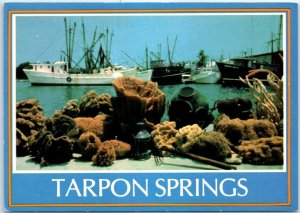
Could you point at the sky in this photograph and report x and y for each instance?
(42, 38)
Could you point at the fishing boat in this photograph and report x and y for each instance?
(167, 73)
(233, 69)
(206, 75)
(97, 71)
(58, 74)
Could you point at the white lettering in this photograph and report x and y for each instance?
(243, 187)
(222, 187)
(88, 187)
(160, 187)
(213, 190)
(101, 186)
(185, 184)
(127, 187)
(58, 186)
(136, 184)
(73, 186)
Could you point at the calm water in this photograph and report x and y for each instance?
(52, 98)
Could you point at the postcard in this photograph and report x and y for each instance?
(151, 106)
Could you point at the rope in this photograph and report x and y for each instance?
(50, 43)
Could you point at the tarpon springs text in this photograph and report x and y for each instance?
(161, 187)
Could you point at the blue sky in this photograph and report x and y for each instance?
(42, 38)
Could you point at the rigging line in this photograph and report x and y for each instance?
(50, 43)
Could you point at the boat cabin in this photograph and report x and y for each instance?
(57, 67)
(157, 63)
(245, 62)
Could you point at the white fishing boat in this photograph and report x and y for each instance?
(59, 74)
(97, 70)
(206, 75)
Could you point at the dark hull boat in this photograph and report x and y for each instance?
(240, 67)
(168, 74)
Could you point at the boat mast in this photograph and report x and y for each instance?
(72, 45)
(84, 44)
(106, 43)
(159, 51)
(147, 65)
(173, 50)
(67, 43)
(169, 54)
(70, 37)
(90, 49)
(279, 33)
(110, 43)
(90, 56)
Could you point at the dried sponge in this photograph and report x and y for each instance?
(189, 133)
(88, 145)
(262, 151)
(109, 151)
(93, 104)
(122, 149)
(236, 130)
(192, 139)
(164, 134)
(29, 121)
(100, 125)
(105, 156)
(49, 150)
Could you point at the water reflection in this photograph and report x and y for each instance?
(52, 98)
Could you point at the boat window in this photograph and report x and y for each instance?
(35, 68)
(249, 63)
(41, 66)
(49, 67)
(52, 69)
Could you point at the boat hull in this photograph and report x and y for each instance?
(102, 78)
(45, 78)
(145, 75)
(206, 78)
(168, 79)
(231, 73)
(169, 74)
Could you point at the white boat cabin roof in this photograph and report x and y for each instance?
(57, 63)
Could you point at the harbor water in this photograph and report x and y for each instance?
(52, 98)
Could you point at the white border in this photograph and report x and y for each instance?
(284, 43)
